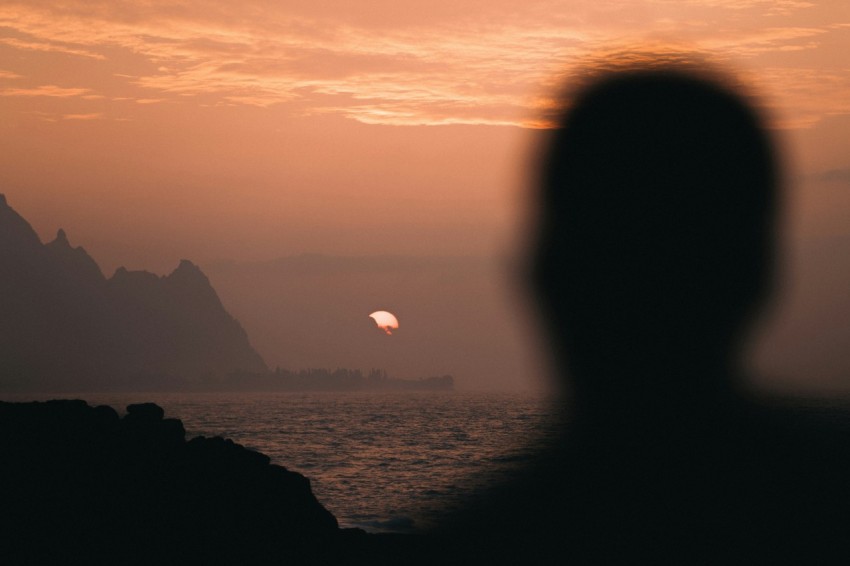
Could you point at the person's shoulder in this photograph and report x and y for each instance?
(815, 421)
(804, 447)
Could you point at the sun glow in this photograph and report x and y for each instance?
(386, 321)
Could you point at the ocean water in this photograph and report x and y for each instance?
(383, 461)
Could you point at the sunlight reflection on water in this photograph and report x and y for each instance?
(379, 461)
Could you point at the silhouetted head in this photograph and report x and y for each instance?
(656, 231)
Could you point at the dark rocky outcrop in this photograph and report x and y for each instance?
(64, 326)
(78, 484)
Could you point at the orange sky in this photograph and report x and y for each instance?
(153, 131)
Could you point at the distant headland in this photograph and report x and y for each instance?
(326, 380)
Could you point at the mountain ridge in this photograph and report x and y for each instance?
(64, 325)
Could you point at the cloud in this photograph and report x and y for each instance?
(45, 90)
(92, 116)
(8, 75)
(486, 67)
(48, 46)
(768, 7)
(803, 97)
(764, 40)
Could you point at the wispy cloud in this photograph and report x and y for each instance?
(45, 90)
(91, 116)
(768, 7)
(491, 71)
(804, 97)
(763, 40)
(48, 46)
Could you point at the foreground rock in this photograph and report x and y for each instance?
(78, 484)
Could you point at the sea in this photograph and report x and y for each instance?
(380, 461)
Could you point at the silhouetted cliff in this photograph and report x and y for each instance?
(63, 325)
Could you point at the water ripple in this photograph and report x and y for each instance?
(379, 461)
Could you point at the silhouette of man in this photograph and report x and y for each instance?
(655, 250)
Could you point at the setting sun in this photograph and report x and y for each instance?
(386, 321)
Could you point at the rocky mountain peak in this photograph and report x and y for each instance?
(16, 234)
(187, 273)
(187, 266)
(62, 238)
(75, 262)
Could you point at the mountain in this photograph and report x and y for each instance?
(63, 325)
